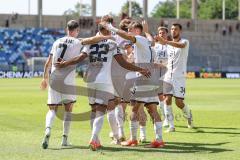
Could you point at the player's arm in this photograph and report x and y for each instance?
(73, 61)
(47, 66)
(127, 36)
(177, 44)
(123, 63)
(120, 32)
(94, 39)
(171, 43)
(146, 31)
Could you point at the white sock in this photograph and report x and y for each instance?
(66, 122)
(161, 105)
(143, 134)
(113, 123)
(92, 117)
(133, 129)
(49, 121)
(186, 111)
(120, 120)
(158, 130)
(97, 125)
(169, 115)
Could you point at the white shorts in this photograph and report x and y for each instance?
(145, 94)
(146, 100)
(67, 93)
(56, 98)
(175, 87)
(100, 93)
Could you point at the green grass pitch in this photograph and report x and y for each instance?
(216, 109)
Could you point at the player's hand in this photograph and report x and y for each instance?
(44, 84)
(146, 73)
(60, 63)
(161, 40)
(109, 27)
(145, 26)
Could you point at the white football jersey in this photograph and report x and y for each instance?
(102, 53)
(177, 60)
(142, 50)
(121, 43)
(65, 48)
(161, 55)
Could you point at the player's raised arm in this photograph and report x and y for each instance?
(47, 66)
(123, 63)
(146, 31)
(120, 32)
(94, 39)
(61, 63)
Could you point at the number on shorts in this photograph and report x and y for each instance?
(182, 90)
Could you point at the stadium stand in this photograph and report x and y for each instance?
(17, 45)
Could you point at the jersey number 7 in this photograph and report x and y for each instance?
(64, 48)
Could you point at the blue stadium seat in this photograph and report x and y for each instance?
(16, 45)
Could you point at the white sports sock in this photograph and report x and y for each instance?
(97, 125)
(92, 117)
(161, 105)
(158, 130)
(133, 129)
(120, 120)
(186, 111)
(113, 123)
(66, 122)
(49, 121)
(143, 134)
(169, 115)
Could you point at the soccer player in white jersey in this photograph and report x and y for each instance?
(126, 47)
(63, 48)
(162, 59)
(176, 75)
(142, 54)
(99, 54)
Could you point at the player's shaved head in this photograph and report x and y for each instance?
(107, 18)
(72, 25)
(124, 24)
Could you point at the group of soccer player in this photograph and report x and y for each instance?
(131, 47)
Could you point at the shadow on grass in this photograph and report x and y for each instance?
(205, 130)
(210, 127)
(171, 147)
(70, 147)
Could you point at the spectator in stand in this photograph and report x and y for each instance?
(216, 27)
(188, 24)
(7, 23)
(224, 31)
(230, 30)
(237, 26)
